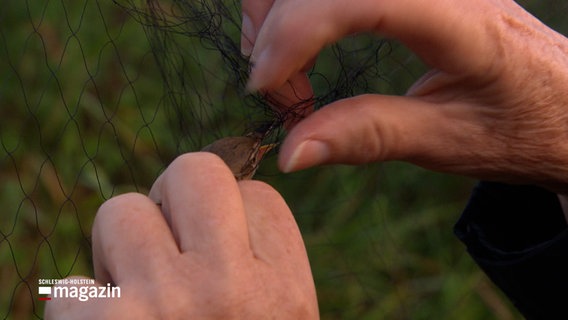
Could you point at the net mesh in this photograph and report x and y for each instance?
(98, 97)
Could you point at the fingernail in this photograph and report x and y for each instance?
(254, 82)
(247, 36)
(307, 154)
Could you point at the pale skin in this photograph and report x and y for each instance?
(215, 249)
(493, 107)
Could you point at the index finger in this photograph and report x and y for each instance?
(454, 36)
(293, 99)
(254, 13)
(202, 204)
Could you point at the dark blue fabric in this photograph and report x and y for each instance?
(519, 237)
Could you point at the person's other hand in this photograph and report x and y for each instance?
(494, 106)
(293, 97)
(214, 249)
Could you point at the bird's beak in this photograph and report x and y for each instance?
(262, 150)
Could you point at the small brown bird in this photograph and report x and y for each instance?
(241, 154)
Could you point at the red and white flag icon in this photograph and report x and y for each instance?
(44, 290)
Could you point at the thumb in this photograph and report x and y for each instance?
(370, 128)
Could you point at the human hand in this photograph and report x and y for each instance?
(214, 249)
(494, 106)
(293, 97)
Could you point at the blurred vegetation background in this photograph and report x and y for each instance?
(83, 117)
